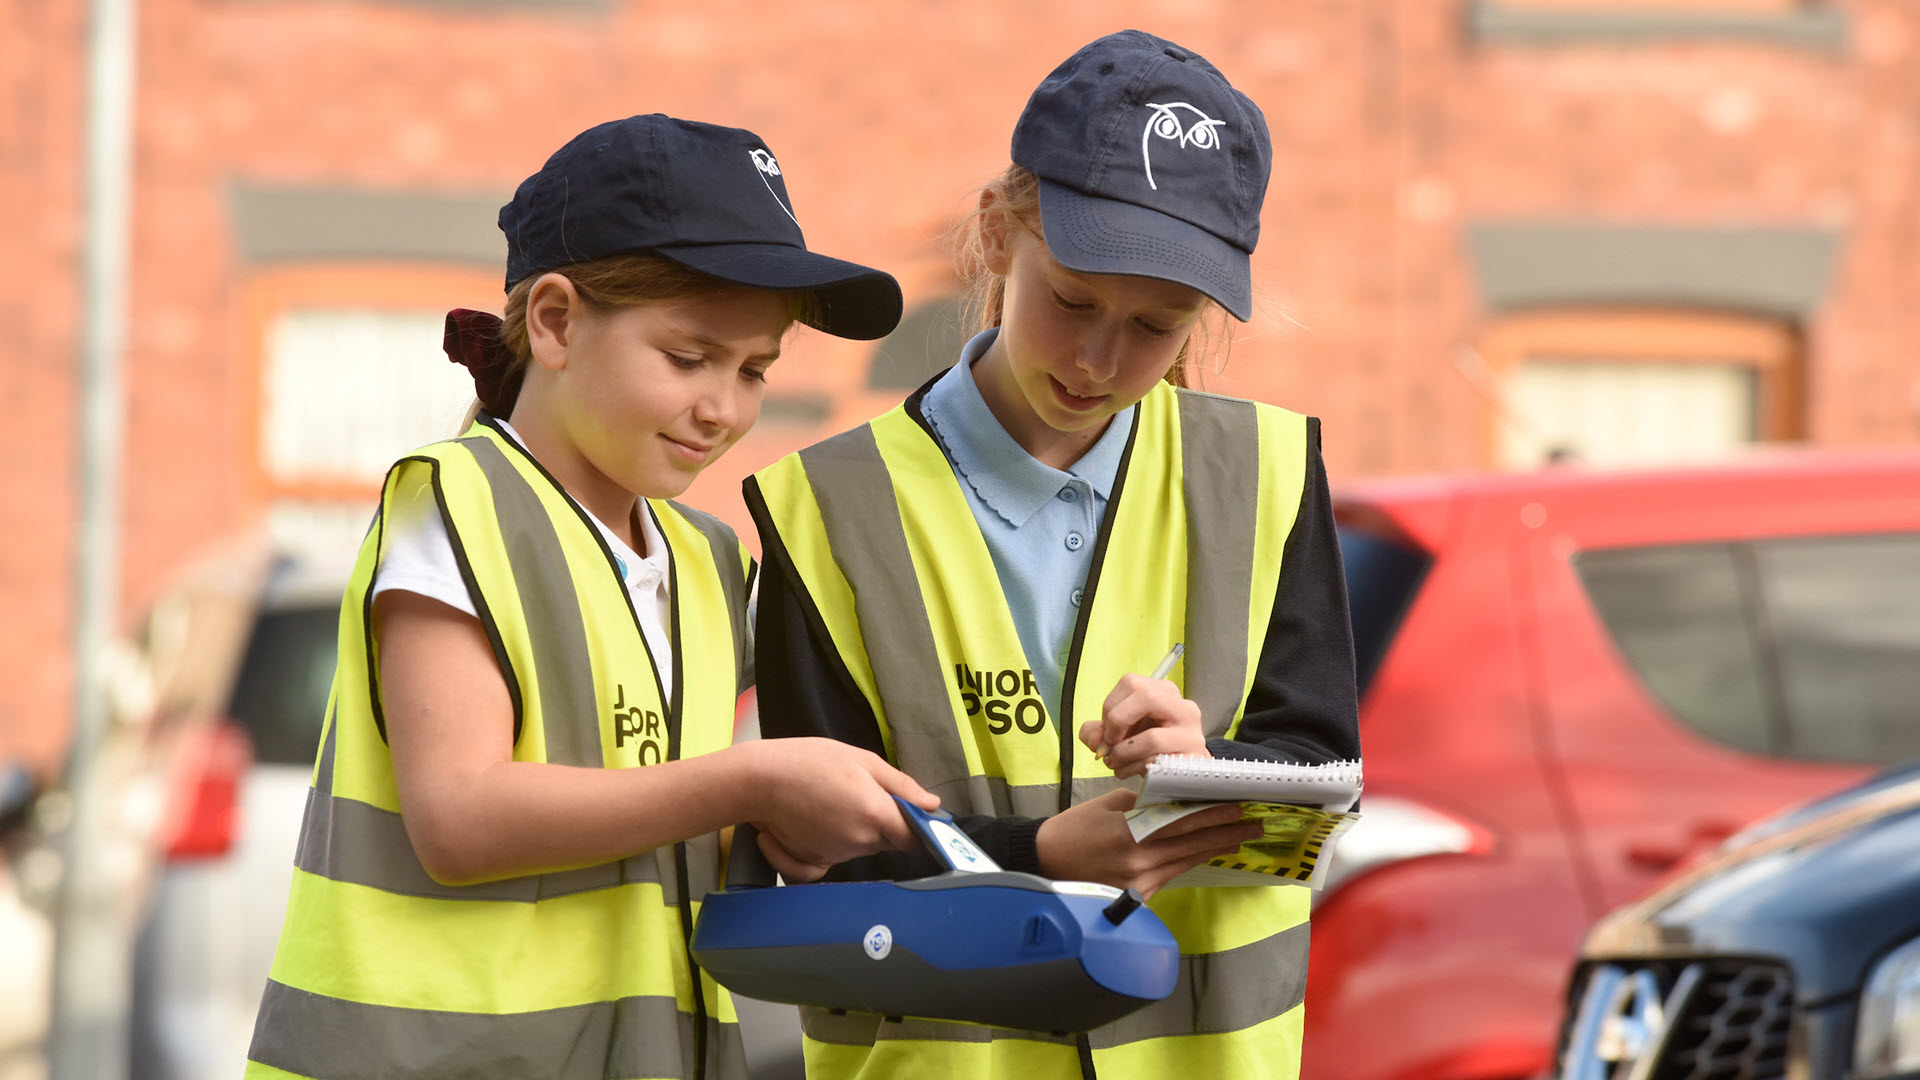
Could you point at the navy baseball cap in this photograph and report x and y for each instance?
(709, 198)
(1150, 163)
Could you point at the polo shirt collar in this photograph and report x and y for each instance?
(1012, 482)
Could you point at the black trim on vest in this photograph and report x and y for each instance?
(366, 631)
(613, 565)
(674, 708)
(725, 545)
(1065, 720)
(912, 405)
(676, 701)
(481, 610)
(1072, 673)
(1084, 1046)
(673, 703)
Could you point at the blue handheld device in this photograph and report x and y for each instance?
(976, 943)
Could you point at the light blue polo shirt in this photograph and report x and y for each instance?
(1040, 523)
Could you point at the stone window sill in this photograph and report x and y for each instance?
(1818, 27)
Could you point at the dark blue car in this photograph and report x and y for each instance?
(1793, 951)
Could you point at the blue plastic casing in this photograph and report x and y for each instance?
(984, 946)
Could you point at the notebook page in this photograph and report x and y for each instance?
(1334, 785)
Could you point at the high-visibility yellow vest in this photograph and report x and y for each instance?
(1190, 551)
(383, 972)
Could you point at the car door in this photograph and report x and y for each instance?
(1702, 659)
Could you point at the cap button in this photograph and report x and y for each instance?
(1177, 54)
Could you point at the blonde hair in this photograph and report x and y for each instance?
(983, 292)
(616, 281)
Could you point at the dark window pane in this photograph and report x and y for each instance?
(1382, 577)
(1845, 614)
(1679, 616)
(280, 696)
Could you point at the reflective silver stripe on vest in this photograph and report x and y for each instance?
(1216, 993)
(1220, 475)
(1221, 992)
(556, 631)
(733, 582)
(312, 1035)
(855, 493)
(348, 840)
(1220, 449)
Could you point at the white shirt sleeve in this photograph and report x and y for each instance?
(417, 556)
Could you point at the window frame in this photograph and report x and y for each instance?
(1772, 349)
(375, 285)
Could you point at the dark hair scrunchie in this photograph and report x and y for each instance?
(473, 339)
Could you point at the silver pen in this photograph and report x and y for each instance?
(1166, 665)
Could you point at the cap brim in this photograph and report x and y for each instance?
(1107, 236)
(854, 301)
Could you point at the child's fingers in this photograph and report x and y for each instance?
(785, 864)
(1128, 685)
(1130, 758)
(1154, 880)
(1147, 704)
(1118, 720)
(898, 783)
(1212, 825)
(1093, 734)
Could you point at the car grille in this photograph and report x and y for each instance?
(1700, 1019)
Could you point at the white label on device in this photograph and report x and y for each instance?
(879, 941)
(962, 852)
(1086, 888)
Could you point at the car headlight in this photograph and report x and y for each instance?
(1888, 1042)
(1392, 830)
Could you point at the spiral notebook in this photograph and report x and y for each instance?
(1174, 778)
(1302, 810)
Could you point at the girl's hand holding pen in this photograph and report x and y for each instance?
(1142, 718)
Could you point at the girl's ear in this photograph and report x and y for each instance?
(994, 230)
(554, 308)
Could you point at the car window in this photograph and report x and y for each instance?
(1800, 647)
(1845, 613)
(280, 695)
(1678, 615)
(1383, 574)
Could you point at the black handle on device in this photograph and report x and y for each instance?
(747, 865)
(748, 868)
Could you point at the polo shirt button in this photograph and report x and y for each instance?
(1077, 593)
(1074, 541)
(1067, 494)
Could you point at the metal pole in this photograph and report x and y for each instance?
(92, 974)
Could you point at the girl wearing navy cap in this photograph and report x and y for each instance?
(525, 764)
(974, 583)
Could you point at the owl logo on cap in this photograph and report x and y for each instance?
(763, 161)
(1166, 123)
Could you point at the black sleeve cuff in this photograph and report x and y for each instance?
(1009, 841)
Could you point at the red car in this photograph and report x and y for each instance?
(1572, 681)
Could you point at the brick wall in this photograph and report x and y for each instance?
(40, 178)
(1396, 126)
